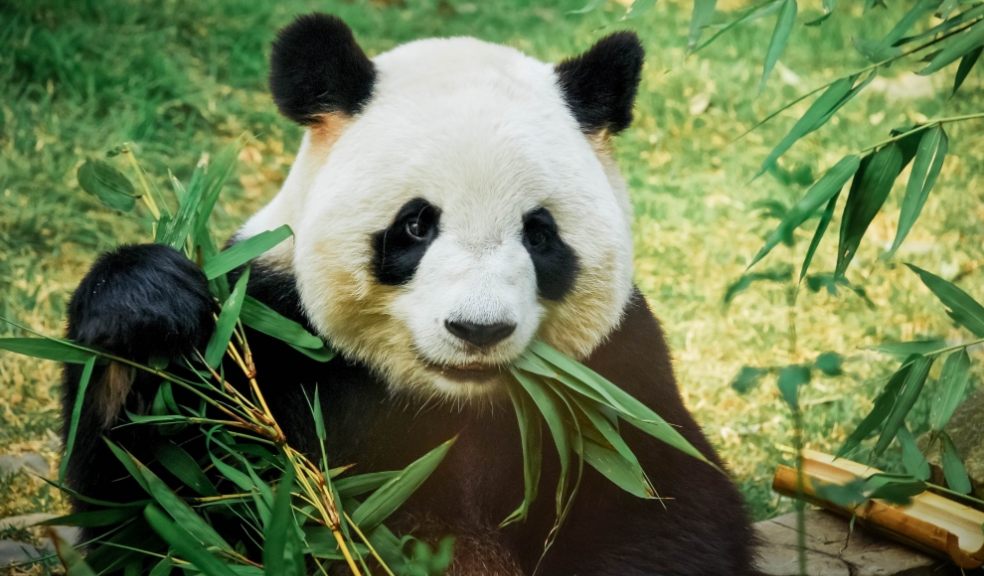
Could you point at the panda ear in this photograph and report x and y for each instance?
(316, 68)
(600, 84)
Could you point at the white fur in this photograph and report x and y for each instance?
(482, 132)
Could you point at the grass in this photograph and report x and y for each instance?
(179, 78)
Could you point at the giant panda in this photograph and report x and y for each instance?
(451, 201)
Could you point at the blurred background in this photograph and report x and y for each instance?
(178, 79)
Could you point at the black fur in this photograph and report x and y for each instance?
(317, 67)
(600, 85)
(396, 252)
(555, 262)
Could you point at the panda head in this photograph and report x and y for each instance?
(452, 200)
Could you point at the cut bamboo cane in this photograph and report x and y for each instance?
(931, 522)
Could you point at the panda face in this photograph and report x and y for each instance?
(460, 213)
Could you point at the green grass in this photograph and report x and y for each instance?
(178, 78)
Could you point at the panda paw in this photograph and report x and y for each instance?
(140, 301)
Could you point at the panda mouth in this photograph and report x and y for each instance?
(471, 372)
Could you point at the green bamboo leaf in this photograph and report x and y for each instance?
(108, 184)
(881, 409)
(390, 496)
(823, 190)
(961, 307)
(822, 225)
(929, 161)
(591, 6)
(226, 323)
(553, 413)
(912, 458)
(747, 378)
(951, 389)
(825, 106)
(960, 46)
(953, 468)
(888, 47)
(830, 363)
(790, 380)
(359, 484)
(48, 349)
(903, 350)
(758, 11)
(262, 318)
(700, 17)
(245, 250)
(780, 36)
(893, 488)
(966, 65)
(589, 383)
(177, 461)
(872, 183)
(94, 518)
(184, 543)
(73, 423)
(780, 275)
(282, 548)
(828, 9)
(531, 439)
(214, 177)
(639, 7)
(907, 396)
(606, 452)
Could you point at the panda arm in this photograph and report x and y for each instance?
(137, 302)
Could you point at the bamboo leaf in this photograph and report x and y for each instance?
(928, 163)
(822, 225)
(953, 468)
(753, 13)
(262, 318)
(830, 363)
(47, 348)
(587, 382)
(178, 462)
(94, 518)
(359, 484)
(531, 439)
(790, 380)
(903, 350)
(747, 378)
(108, 184)
(282, 548)
(606, 451)
(961, 307)
(226, 323)
(825, 106)
(390, 496)
(951, 389)
(823, 190)
(961, 45)
(245, 250)
(907, 396)
(966, 65)
(828, 9)
(76, 417)
(553, 414)
(872, 183)
(881, 409)
(70, 558)
(184, 543)
(780, 36)
(700, 17)
(912, 458)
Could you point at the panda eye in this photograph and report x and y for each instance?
(538, 229)
(536, 238)
(420, 225)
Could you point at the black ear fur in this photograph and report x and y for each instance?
(317, 67)
(600, 85)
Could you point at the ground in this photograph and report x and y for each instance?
(178, 79)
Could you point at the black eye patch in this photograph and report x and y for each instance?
(398, 249)
(555, 262)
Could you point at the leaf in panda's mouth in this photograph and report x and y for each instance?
(581, 409)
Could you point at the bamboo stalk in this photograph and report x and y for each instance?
(931, 522)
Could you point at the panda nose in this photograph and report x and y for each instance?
(481, 335)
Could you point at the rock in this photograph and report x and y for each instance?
(832, 550)
(69, 534)
(966, 429)
(13, 552)
(23, 521)
(30, 462)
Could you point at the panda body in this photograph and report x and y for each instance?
(451, 200)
